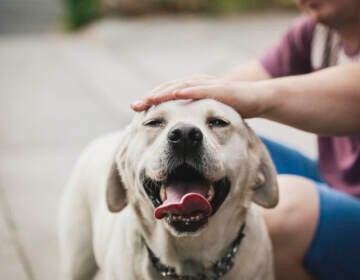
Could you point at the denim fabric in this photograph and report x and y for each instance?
(334, 253)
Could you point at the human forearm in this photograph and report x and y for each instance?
(251, 71)
(326, 102)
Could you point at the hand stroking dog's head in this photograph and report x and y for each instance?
(186, 163)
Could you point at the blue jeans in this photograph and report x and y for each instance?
(334, 253)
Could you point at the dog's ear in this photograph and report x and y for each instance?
(115, 190)
(116, 198)
(265, 186)
(266, 191)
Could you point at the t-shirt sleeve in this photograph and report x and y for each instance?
(292, 55)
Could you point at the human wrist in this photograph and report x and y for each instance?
(267, 97)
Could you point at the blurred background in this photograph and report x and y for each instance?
(68, 71)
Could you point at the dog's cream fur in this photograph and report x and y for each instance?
(107, 177)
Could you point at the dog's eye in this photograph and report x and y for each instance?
(216, 122)
(155, 122)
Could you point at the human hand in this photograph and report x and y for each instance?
(245, 97)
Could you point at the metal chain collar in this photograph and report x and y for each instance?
(217, 270)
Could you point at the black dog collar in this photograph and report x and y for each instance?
(217, 270)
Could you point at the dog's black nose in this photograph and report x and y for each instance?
(185, 137)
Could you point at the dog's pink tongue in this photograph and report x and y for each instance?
(185, 198)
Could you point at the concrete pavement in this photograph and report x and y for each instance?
(28, 16)
(58, 92)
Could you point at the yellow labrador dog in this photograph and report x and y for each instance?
(171, 197)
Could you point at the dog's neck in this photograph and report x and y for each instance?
(189, 253)
(217, 269)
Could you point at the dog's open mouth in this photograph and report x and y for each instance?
(186, 199)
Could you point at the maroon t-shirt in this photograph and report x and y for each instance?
(339, 157)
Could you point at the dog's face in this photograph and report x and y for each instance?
(184, 162)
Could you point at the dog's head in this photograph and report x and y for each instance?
(184, 162)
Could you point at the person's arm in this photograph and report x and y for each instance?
(326, 102)
(251, 71)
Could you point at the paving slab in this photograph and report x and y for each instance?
(12, 266)
(50, 110)
(34, 180)
(172, 47)
(29, 16)
(45, 100)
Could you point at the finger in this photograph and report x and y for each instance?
(140, 105)
(154, 100)
(146, 101)
(195, 92)
(162, 86)
(198, 92)
(167, 93)
(179, 83)
(168, 84)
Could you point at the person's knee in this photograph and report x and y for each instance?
(294, 219)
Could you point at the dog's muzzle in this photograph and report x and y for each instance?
(186, 198)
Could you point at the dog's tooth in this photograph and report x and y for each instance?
(192, 218)
(211, 193)
(160, 176)
(162, 193)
